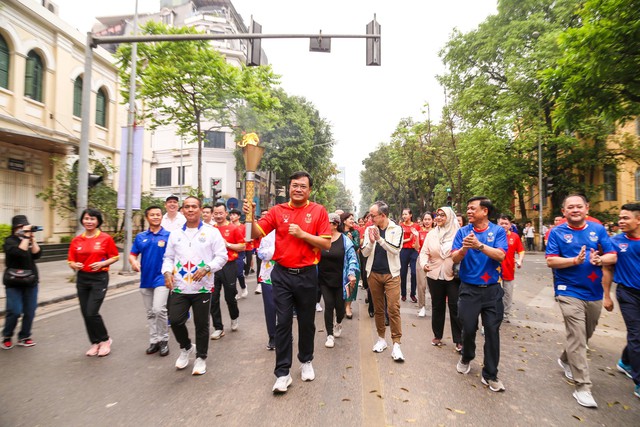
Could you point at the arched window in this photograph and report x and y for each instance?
(610, 183)
(33, 78)
(4, 63)
(77, 97)
(637, 184)
(102, 101)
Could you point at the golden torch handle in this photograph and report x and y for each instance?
(250, 194)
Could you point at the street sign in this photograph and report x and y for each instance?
(233, 203)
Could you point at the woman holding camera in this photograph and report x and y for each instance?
(21, 281)
(90, 254)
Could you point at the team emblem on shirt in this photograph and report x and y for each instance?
(491, 237)
(97, 246)
(568, 238)
(226, 233)
(202, 238)
(593, 237)
(624, 247)
(161, 243)
(308, 218)
(285, 218)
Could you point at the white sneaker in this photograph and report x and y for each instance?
(307, 372)
(463, 368)
(244, 293)
(396, 353)
(258, 289)
(422, 312)
(380, 345)
(318, 307)
(566, 368)
(183, 359)
(337, 330)
(234, 324)
(282, 383)
(585, 398)
(200, 367)
(217, 334)
(330, 342)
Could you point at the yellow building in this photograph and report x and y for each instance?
(41, 69)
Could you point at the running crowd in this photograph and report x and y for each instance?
(190, 254)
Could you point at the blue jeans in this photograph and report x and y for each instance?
(408, 258)
(629, 302)
(20, 301)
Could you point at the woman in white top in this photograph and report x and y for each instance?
(435, 257)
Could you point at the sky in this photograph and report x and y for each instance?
(363, 104)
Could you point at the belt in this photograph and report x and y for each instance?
(296, 271)
(486, 286)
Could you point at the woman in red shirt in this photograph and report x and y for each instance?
(408, 255)
(421, 276)
(90, 254)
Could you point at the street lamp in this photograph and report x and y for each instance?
(252, 154)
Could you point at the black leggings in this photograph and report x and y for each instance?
(333, 300)
(92, 288)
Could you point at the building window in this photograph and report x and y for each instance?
(163, 177)
(77, 97)
(4, 63)
(33, 77)
(214, 139)
(101, 107)
(181, 173)
(637, 184)
(610, 183)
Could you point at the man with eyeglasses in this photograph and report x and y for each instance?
(381, 246)
(302, 232)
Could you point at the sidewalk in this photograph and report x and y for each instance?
(57, 282)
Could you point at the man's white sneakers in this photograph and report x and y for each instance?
(380, 345)
(282, 383)
(330, 342)
(585, 398)
(396, 353)
(234, 324)
(217, 334)
(307, 373)
(183, 359)
(422, 312)
(200, 367)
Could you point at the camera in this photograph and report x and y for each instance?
(35, 228)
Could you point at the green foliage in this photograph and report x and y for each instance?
(61, 193)
(597, 73)
(5, 231)
(66, 239)
(191, 86)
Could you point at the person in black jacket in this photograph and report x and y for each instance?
(21, 250)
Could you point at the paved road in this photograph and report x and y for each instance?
(54, 384)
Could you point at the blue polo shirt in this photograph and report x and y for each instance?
(151, 246)
(628, 265)
(477, 268)
(583, 281)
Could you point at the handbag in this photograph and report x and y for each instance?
(19, 277)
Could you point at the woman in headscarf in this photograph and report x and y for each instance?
(435, 256)
(351, 231)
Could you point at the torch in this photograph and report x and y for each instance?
(252, 154)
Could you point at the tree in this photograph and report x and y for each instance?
(597, 73)
(191, 86)
(297, 138)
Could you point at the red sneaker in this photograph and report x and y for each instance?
(26, 342)
(7, 344)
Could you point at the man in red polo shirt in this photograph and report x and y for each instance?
(226, 278)
(302, 232)
(508, 267)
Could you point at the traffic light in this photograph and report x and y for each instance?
(216, 188)
(254, 54)
(94, 179)
(373, 44)
(549, 186)
(449, 198)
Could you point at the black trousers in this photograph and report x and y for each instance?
(294, 291)
(333, 300)
(443, 293)
(178, 306)
(92, 288)
(225, 278)
(248, 257)
(487, 302)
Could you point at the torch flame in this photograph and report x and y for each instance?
(249, 139)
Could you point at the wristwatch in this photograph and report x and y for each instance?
(207, 268)
(481, 247)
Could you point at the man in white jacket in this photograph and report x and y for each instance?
(382, 243)
(194, 253)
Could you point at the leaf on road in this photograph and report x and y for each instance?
(577, 418)
(321, 404)
(610, 404)
(373, 391)
(402, 388)
(380, 396)
(405, 401)
(457, 411)
(346, 399)
(410, 420)
(521, 370)
(349, 367)
(110, 405)
(626, 407)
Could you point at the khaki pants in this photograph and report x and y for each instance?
(382, 285)
(580, 320)
(421, 277)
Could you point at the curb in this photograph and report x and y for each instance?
(75, 295)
